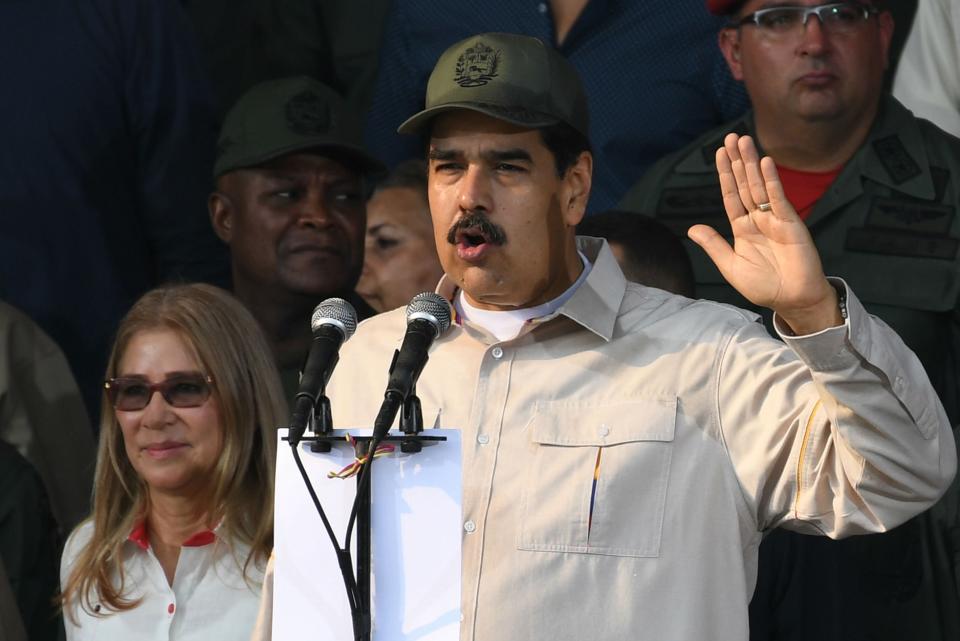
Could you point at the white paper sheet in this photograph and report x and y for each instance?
(416, 530)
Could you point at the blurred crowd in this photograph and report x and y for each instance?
(252, 145)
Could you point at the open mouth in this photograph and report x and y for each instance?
(474, 236)
(472, 243)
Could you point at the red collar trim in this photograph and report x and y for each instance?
(141, 537)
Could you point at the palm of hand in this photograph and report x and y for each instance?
(773, 262)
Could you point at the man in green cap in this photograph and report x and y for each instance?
(290, 202)
(879, 190)
(619, 465)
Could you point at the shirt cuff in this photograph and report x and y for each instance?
(829, 349)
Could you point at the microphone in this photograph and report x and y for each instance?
(428, 317)
(333, 322)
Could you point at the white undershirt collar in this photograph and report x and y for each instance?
(506, 325)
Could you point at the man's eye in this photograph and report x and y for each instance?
(446, 167)
(509, 168)
(778, 19)
(286, 194)
(347, 196)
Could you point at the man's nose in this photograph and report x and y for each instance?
(814, 39)
(314, 210)
(474, 192)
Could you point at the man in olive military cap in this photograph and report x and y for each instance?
(290, 204)
(879, 191)
(619, 465)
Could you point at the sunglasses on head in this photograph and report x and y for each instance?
(132, 393)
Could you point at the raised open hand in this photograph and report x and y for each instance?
(773, 261)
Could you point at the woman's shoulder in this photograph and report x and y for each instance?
(78, 539)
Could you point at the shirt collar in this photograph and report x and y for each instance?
(594, 305)
(141, 537)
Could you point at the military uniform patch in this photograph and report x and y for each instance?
(308, 114)
(477, 66)
(874, 240)
(899, 164)
(911, 216)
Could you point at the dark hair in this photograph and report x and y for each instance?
(565, 143)
(410, 174)
(653, 254)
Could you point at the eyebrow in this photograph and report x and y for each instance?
(493, 156)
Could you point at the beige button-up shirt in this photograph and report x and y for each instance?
(623, 456)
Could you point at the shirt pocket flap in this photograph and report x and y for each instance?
(603, 424)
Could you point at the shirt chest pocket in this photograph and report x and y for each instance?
(597, 478)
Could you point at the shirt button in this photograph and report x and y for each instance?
(171, 608)
(470, 526)
(483, 439)
(497, 352)
(542, 7)
(604, 430)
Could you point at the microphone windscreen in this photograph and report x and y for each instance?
(431, 307)
(336, 312)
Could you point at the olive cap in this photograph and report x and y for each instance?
(288, 115)
(510, 77)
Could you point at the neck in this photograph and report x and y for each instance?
(174, 519)
(283, 317)
(812, 145)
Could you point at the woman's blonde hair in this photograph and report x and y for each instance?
(230, 347)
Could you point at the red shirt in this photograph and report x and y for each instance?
(804, 188)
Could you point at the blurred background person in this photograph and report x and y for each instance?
(290, 203)
(647, 251)
(246, 42)
(29, 550)
(108, 136)
(927, 80)
(182, 521)
(400, 257)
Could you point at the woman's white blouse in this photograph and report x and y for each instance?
(210, 598)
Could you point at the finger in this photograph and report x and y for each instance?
(782, 208)
(728, 187)
(716, 247)
(751, 162)
(730, 144)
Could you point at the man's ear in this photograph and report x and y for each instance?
(729, 41)
(576, 188)
(222, 214)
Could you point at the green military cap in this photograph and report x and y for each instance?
(514, 78)
(288, 115)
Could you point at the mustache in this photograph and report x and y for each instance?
(478, 222)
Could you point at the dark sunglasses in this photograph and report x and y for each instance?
(132, 393)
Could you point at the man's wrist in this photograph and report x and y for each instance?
(831, 312)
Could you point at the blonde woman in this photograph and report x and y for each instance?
(182, 521)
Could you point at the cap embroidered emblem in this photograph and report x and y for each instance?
(224, 145)
(307, 114)
(477, 66)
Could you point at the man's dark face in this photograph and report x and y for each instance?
(296, 223)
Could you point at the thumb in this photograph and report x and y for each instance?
(715, 245)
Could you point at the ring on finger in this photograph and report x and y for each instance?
(765, 206)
